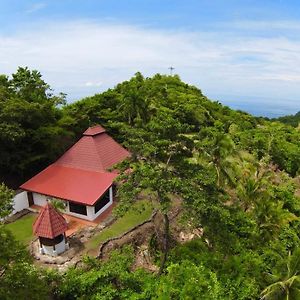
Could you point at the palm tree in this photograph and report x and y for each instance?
(135, 103)
(270, 216)
(222, 159)
(252, 187)
(286, 280)
(248, 192)
(59, 205)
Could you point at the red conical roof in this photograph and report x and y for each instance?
(49, 223)
(95, 151)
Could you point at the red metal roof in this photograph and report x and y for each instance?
(77, 185)
(95, 152)
(81, 175)
(94, 130)
(49, 223)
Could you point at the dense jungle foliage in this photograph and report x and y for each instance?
(235, 174)
(292, 120)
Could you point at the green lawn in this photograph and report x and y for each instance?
(140, 212)
(22, 228)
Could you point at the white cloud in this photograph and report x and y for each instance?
(90, 83)
(35, 7)
(82, 57)
(281, 77)
(265, 25)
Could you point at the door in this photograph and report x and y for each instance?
(30, 198)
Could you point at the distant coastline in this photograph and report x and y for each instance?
(259, 106)
(254, 105)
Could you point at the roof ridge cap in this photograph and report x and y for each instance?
(90, 130)
(37, 222)
(79, 168)
(99, 155)
(49, 207)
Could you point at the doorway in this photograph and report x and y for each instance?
(30, 198)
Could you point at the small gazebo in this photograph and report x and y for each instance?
(50, 227)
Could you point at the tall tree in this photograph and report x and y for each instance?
(157, 152)
(6, 201)
(134, 104)
(30, 133)
(219, 149)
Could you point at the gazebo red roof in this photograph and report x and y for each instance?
(82, 173)
(49, 223)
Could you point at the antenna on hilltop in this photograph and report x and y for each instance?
(171, 70)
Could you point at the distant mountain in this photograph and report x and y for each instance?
(292, 120)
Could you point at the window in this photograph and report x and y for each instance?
(77, 208)
(102, 201)
(51, 242)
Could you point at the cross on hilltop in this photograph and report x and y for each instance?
(171, 70)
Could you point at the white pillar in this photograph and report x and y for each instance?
(111, 194)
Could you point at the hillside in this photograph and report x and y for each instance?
(135, 102)
(292, 120)
(230, 177)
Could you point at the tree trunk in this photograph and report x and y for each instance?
(218, 176)
(165, 244)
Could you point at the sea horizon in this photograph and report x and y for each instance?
(258, 106)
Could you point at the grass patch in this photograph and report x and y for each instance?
(139, 212)
(22, 228)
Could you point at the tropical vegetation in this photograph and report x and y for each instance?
(234, 174)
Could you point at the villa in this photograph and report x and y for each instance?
(81, 178)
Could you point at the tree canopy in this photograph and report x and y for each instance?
(32, 131)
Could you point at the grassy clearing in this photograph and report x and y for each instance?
(140, 212)
(22, 228)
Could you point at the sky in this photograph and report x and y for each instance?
(245, 54)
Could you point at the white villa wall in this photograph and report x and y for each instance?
(59, 248)
(39, 199)
(91, 215)
(20, 202)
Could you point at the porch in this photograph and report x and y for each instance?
(86, 211)
(75, 223)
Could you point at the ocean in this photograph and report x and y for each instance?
(260, 106)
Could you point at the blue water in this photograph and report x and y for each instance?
(260, 106)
